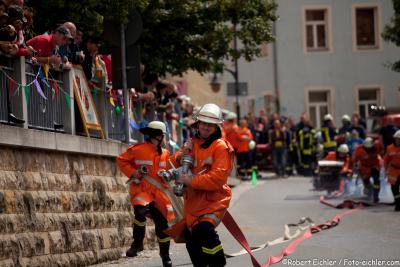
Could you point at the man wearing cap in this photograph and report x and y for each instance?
(367, 159)
(207, 194)
(392, 167)
(43, 45)
(329, 132)
(142, 163)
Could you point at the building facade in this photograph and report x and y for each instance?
(328, 57)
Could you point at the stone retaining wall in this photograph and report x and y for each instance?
(62, 209)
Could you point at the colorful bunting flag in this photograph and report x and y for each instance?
(46, 71)
(27, 94)
(55, 87)
(68, 100)
(11, 84)
(39, 89)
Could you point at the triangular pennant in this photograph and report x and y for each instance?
(46, 71)
(68, 100)
(39, 89)
(11, 84)
(40, 74)
(133, 124)
(42, 78)
(27, 94)
(17, 91)
(55, 87)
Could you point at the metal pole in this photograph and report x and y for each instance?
(275, 67)
(124, 85)
(236, 74)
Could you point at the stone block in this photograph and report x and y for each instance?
(77, 241)
(85, 201)
(75, 221)
(89, 220)
(7, 263)
(54, 202)
(51, 180)
(57, 243)
(7, 160)
(65, 201)
(25, 242)
(9, 201)
(90, 240)
(11, 182)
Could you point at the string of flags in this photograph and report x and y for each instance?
(43, 77)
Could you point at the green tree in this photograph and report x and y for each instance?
(178, 35)
(392, 31)
(185, 34)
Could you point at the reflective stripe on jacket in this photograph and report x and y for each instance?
(143, 193)
(328, 137)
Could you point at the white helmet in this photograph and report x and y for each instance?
(231, 116)
(397, 134)
(154, 126)
(252, 144)
(328, 117)
(346, 117)
(210, 113)
(343, 148)
(368, 142)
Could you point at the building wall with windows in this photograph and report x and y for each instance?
(329, 58)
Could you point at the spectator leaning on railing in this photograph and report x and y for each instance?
(43, 46)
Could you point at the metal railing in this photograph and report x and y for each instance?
(54, 109)
(45, 114)
(8, 103)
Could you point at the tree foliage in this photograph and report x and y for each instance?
(392, 31)
(178, 35)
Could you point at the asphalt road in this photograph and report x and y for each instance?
(368, 237)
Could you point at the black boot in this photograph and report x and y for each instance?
(134, 249)
(164, 254)
(397, 204)
(138, 236)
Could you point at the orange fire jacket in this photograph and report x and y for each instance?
(243, 146)
(208, 197)
(367, 161)
(231, 134)
(346, 163)
(143, 193)
(392, 163)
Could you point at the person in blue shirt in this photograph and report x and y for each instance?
(354, 141)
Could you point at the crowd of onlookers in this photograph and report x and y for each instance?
(294, 147)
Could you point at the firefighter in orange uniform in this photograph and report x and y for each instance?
(342, 155)
(368, 161)
(243, 150)
(231, 130)
(207, 194)
(141, 163)
(392, 167)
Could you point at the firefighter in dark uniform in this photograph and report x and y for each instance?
(305, 141)
(329, 132)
